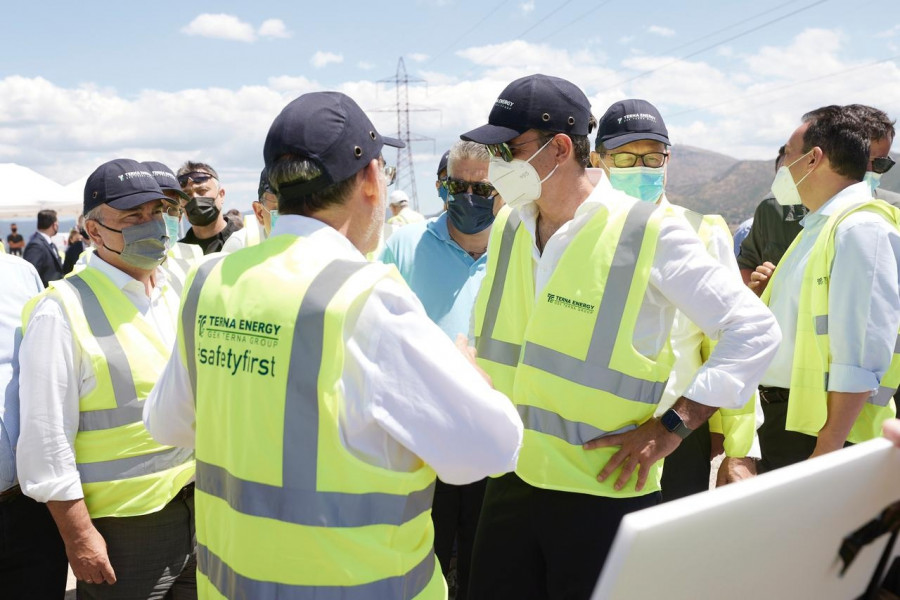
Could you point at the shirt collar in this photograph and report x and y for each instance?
(46, 237)
(854, 193)
(308, 227)
(122, 279)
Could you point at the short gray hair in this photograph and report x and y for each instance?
(463, 150)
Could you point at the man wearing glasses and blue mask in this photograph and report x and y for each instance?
(632, 149)
(443, 262)
(572, 323)
(94, 344)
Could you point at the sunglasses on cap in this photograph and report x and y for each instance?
(195, 176)
(882, 164)
(461, 186)
(504, 150)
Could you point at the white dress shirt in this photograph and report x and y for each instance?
(683, 277)
(55, 374)
(863, 296)
(409, 395)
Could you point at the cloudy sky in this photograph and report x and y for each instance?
(84, 82)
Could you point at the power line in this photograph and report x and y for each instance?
(541, 21)
(579, 18)
(717, 44)
(786, 86)
(462, 36)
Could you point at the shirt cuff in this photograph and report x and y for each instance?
(715, 387)
(848, 378)
(59, 489)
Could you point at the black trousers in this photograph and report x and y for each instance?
(780, 447)
(686, 471)
(543, 544)
(33, 561)
(455, 514)
(153, 556)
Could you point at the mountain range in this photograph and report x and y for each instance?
(713, 183)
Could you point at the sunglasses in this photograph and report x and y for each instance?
(390, 173)
(195, 176)
(624, 160)
(504, 150)
(461, 186)
(882, 164)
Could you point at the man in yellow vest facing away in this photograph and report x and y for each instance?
(94, 345)
(632, 149)
(258, 225)
(572, 322)
(835, 294)
(319, 397)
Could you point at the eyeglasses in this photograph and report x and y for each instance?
(461, 186)
(504, 150)
(195, 176)
(173, 211)
(882, 164)
(624, 160)
(390, 174)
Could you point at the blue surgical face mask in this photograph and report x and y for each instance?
(644, 183)
(273, 217)
(873, 179)
(443, 192)
(470, 213)
(171, 229)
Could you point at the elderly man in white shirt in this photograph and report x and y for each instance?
(94, 343)
(849, 398)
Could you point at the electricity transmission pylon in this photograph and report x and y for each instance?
(406, 176)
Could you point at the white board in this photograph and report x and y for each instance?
(773, 536)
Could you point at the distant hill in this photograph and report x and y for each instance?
(708, 182)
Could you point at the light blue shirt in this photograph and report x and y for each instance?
(443, 275)
(20, 283)
(740, 234)
(863, 296)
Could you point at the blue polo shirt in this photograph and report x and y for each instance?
(443, 275)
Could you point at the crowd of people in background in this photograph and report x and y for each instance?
(311, 400)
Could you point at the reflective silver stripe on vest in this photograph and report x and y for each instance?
(128, 409)
(135, 466)
(489, 348)
(297, 499)
(178, 269)
(594, 372)
(235, 585)
(189, 319)
(573, 432)
(897, 345)
(882, 396)
(821, 322)
(694, 219)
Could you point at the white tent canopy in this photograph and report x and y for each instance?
(24, 192)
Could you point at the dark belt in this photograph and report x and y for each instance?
(774, 395)
(11, 494)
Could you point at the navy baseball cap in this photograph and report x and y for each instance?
(535, 102)
(165, 178)
(628, 121)
(442, 166)
(122, 183)
(330, 129)
(264, 185)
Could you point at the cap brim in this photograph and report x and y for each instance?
(491, 134)
(612, 144)
(137, 199)
(393, 142)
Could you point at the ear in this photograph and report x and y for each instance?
(370, 186)
(816, 156)
(258, 211)
(564, 149)
(93, 231)
(221, 194)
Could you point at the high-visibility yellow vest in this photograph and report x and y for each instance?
(808, 400)
(254, 232)
(124, 471)
(284, 510)
(179, 260)
(738, 425)
(569, 355)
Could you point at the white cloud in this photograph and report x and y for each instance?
(889, 33)
(527, 7)
(663, 31)
(274, 28)
(321, 59)
(417, 57)
(626, 39)
(365, 65)
(220, 26)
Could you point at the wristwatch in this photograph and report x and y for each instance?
(672, 421)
